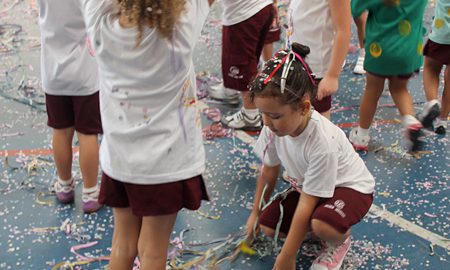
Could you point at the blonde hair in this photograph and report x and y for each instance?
(159, 14)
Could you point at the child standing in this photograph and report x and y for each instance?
(325, 26)
(331, 187)
(394, 33)
(437, 54)
(152, 151)
(245, 26)
(69, 79)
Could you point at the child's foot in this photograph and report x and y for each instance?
(360, 143)
(90, 200)
(414, 136)
(227, 95)
(241, 120)
(430, 112)
(65, 190)
(332, 256)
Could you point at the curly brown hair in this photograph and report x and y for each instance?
(159, 14)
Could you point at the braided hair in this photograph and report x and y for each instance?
(290, 87)
(159, 14)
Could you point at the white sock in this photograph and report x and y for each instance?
(90, 190)
(363, 132)
(65, 183)
(441, 122)
(251, 113)
(362, 53)
(409, 120)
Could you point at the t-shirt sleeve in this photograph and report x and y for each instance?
(321, 175)
(265, 148)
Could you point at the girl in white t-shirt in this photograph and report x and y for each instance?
(152, 152)
(331, 188)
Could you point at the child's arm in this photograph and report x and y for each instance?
(210, 2)
(268, 177)
(299, 227)
(340, 14)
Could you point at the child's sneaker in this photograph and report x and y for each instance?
(430, 112)
(360, 143)
(332, 256)
(65, 190)
(227, 95)
(240, 120)
(90, 200)
(414, 136)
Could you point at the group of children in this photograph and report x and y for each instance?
(152, 154)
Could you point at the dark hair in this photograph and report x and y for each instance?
(299, 80)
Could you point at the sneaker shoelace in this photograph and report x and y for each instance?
(329, 252)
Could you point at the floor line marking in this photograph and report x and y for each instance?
(435, 239)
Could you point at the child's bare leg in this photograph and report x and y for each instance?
(369, 100)
(88, 159)
(431, 71)
(154, 241)
(327, 233)
(124, 250)
(267, 52)
(360, 23)
(445, 109)
(400, 95)
(62, 152)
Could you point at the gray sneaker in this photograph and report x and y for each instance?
(240, 120)
(227, 95)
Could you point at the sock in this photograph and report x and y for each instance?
(251, 113)
(362, 53)
(90, 194)
(363, 132)
(409, 120)
(441, 122)
(65, 183)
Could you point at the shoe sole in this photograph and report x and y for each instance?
(427, 121)
(361, 148)
(234, 102)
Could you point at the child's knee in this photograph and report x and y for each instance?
(268, 231)
(324, 230)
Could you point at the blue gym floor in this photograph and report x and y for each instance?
(407, 228)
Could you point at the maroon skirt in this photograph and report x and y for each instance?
(154, 200)
(437, 51)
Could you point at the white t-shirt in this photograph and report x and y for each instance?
(320, 159)
(236, 11)
(311, 24)
(67, 68)
(151, 124)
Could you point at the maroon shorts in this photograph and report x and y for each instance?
(274, 33)
(323, 105)
(346, 208)
(242, 45)
(439, 52)
(153, 200)
(80, 112)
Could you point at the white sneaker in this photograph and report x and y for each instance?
(359, 67)
(240, 120)
(332, 256)
(359, 143)
(220, 92)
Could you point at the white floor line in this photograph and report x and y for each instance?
(433, 238)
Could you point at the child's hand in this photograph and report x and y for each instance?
(251, 223)
(284, 262)
(327, 86)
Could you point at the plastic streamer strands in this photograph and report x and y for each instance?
(213, 114)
